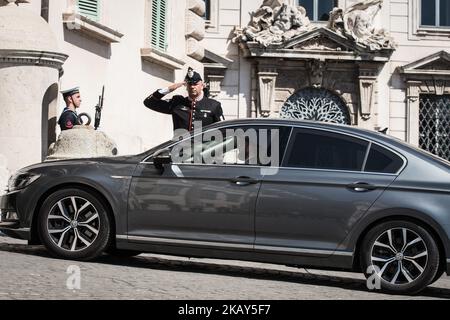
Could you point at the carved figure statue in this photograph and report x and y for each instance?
(276, 22)
(273, 23)
(357, 23)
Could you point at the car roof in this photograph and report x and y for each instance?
(314, 124)
(384, 139)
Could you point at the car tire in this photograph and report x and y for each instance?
(438, 274)
(400, 256)
(74, 224)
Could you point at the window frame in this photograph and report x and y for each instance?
(437, 16)
(212, 24)
(417, 31)
(382, 148)
(207, 15)
(96, 17)
(369, 148)
(170, 144)
(315, 13)
(290, 149)
(152, 26)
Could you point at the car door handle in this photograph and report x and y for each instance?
(244, 181)
(361, 187)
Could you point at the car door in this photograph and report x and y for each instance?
(197, 202)
(309, 206)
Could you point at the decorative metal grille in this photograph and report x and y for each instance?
(317, 105)
(434, 129)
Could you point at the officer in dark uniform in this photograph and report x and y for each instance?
(186, 110)
(69, 117)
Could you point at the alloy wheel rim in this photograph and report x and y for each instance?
(73, 224)
(399, 256)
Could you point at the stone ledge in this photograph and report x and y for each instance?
(161, 58)
(77, 22)
(34, 58)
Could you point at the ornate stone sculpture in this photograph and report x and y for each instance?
(274, 23)
(357, 23)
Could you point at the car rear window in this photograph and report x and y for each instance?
(381, 160)
(325, 150)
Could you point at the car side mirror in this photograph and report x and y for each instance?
(162, 157)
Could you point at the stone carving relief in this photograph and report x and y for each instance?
(316, 69)
(319, 43)
(317, 105)
(357, 23)
(276, 22)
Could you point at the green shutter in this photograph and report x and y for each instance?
(90, 9)
(159, 23)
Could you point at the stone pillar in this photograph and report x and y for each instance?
(267, 82)
(29, 67)
(413, 105)
(367, 81)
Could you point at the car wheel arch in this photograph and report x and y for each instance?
(431, 227)
(102, 197)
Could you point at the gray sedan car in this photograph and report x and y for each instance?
(295, 193)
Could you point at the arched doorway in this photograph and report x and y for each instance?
(317, 105)
(49, 117)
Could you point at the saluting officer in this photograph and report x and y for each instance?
(186, 110)
(69, 117)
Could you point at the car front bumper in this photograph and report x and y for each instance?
(9, 218)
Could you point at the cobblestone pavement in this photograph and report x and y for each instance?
(28, 272)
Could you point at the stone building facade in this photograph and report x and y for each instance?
(392, 74)
(130, 47)
(374, 64)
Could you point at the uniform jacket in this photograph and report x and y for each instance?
(208, 111)
(68, 120)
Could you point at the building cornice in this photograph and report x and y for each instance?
(34, 58)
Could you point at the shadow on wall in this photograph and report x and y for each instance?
(158, 71)
(87, 43)
(49, 118)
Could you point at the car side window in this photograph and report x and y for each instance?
(243, 145)
(381, 160)
(317, 149)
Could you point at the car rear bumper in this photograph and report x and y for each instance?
(9, 218)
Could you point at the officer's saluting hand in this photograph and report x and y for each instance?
(186, 110)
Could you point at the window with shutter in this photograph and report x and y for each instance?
(159, 25)
(90, 9)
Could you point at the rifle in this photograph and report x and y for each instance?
(98, 109)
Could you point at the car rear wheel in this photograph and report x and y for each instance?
(401, 255)
(74, 224)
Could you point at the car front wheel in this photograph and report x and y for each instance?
(401, 255)
(74, 224)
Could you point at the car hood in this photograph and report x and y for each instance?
(131, 160)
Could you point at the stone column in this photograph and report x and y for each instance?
(413, 105)
(267, 82)
(367, 81)
(30, 68)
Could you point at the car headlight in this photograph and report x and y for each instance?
(22, 180)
